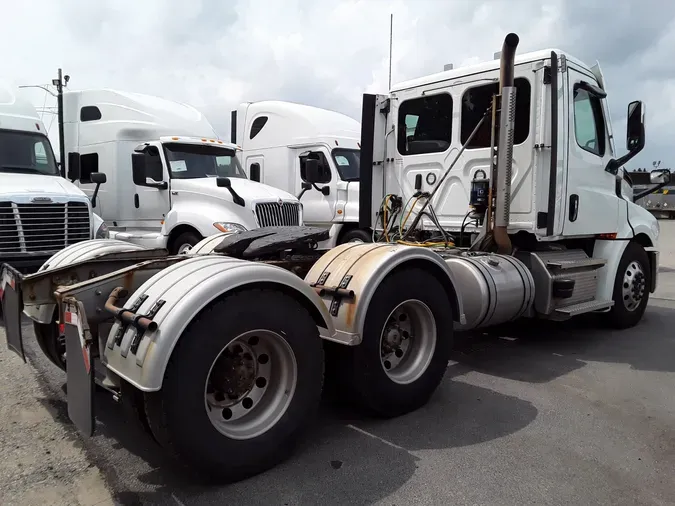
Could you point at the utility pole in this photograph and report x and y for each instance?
(391, 40)
(61, 82)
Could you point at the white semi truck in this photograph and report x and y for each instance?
(276, 138)
(40, 212)
(170, 180)
(222, 351)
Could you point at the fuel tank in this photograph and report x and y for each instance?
(495, 288)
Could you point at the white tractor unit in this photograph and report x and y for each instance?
(495, 193)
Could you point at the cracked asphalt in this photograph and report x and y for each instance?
(533, 414)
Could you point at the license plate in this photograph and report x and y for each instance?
(80, 370)
(12, 308)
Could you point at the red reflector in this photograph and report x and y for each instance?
(68, 317)
(62, 328)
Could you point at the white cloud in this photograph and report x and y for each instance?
(217, 53)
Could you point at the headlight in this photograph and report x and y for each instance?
(229, 227)
(102, 232)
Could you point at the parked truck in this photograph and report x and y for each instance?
(170, 180)
(276, 138)
(40, 212)
(660, 203)
(222, 351)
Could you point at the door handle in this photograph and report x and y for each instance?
(574, 207)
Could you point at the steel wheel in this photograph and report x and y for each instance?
(184, 248)
(633, 286)
(251, 384)
(408, 341)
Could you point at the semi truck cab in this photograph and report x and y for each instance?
(170, 180)
(276, 140)
(40, 212)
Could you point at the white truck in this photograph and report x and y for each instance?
(277, 137)
(221, 352)
(40, 212)
(170, 180)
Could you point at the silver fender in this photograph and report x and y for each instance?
(207, 245)
(79, 252)
(360, 268)
(186, 288)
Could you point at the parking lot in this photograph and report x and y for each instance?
(535, 414)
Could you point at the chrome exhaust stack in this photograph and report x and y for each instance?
(507, 118)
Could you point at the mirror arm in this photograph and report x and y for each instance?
(614, 165)
(649, 191)
(93, 197)
(163, 185)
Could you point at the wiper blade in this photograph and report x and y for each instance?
(29, 170)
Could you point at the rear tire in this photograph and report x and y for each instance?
(374, 375)
(631, 288)
(254, 334)
(54, 348)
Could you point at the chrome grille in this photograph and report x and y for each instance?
(271, 214)
(42, 228)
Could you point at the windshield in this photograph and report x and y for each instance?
(348, 163)
(26, 153)
(194, 161)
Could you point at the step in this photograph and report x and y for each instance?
(576, 264)
(563, 313)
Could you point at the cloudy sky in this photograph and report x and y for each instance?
(217, 53)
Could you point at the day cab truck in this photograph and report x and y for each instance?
(222, 351)
(40, 212)
(170, 180)
(277, 137)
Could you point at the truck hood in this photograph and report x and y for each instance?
(37, 185)
(250, 191)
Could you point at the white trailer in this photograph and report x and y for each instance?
(170, 180)
(276, 138)
(222, 351)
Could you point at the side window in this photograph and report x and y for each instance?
(324, 168)
(90, 113)
(477, 100)
(589, 125)
(425, 125)
(41, 155)
(88, 165)
(257, 125)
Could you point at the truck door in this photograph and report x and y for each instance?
(591, 204)
(318, 208)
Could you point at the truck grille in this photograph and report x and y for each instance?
(271, 214)
(42, 228)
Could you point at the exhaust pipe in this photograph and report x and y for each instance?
(505, 144)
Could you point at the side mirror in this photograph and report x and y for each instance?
(659, 176)
(98, 177)
(145, 166)
(223, 182)
(635, 126)
(312, 174)
(74, 168)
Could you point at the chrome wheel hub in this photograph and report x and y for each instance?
(634, 286)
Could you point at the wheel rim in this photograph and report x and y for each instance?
(634, 286)
(184, 248)
(408, 341)
(250, 384)
(356, 239)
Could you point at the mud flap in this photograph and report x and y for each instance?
(80, 370)
(12, 308)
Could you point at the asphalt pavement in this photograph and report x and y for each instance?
(534, 414)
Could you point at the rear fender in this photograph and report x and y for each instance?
(359, 269)
(72, 265)
(176, 295)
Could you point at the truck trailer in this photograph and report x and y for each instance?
(222, 351)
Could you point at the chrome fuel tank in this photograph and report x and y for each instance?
(495, 288)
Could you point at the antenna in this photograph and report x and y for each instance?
(391, 39)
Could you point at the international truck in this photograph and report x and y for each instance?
(222, 351)
(171, 181)
(277, 137)
(40, 212)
